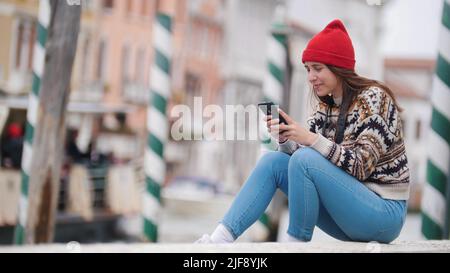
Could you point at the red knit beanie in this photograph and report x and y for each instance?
(331, 46)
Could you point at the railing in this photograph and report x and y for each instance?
(91, 92)
(136, 93)
(19, 82)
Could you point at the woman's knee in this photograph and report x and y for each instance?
(304, 156)
(271, 159)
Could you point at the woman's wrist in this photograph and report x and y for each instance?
(312, 138)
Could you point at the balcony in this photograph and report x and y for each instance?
(19, 83)
(135, 93)
(90, 92)
(175, 152)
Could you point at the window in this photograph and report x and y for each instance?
(156, 6)
(20, 36)
(125, 65)
(101, 64)
(192, 84)
(2, 75)
(84, 60)
(404, 129)
(108, 4)
(31, 43)
(140, 66)
(87, 5)
(129, 6)
(26, 36)
(144, 8)
(204, 42)
(217, 47)
(196, 36)
(418, 129)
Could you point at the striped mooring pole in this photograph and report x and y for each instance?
(436, 197)
(32, 116)
(273, 86)
(157, 125)
(274, 79)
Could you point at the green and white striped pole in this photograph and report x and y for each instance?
(435, 205)
(157, 125)
(274, 78)
(32, 115)
(273, 87)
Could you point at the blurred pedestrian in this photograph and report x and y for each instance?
(12, 146)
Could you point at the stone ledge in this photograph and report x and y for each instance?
(312, 247)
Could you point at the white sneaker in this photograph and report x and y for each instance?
(205, 239)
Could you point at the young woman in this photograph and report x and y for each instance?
(347, 173)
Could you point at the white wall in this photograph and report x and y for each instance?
(412, 28)
(416, 148)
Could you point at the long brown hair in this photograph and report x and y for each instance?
(353, 84)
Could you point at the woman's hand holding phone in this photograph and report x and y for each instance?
(293, 131)
(283, 127)
(273, 126)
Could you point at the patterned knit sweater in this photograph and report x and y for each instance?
(372, 150)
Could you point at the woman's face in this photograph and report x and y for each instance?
(322, 80)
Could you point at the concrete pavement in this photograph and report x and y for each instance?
(312, 247)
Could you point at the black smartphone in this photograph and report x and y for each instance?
(271, 109)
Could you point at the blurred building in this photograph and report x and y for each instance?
(18, 25)
(113, 66)
(110, 88)
(18, 20)
(196, 72)
(247, 29)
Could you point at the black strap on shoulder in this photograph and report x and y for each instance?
(330, 102)
(341, 120)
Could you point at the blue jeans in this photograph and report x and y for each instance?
(319, 194)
